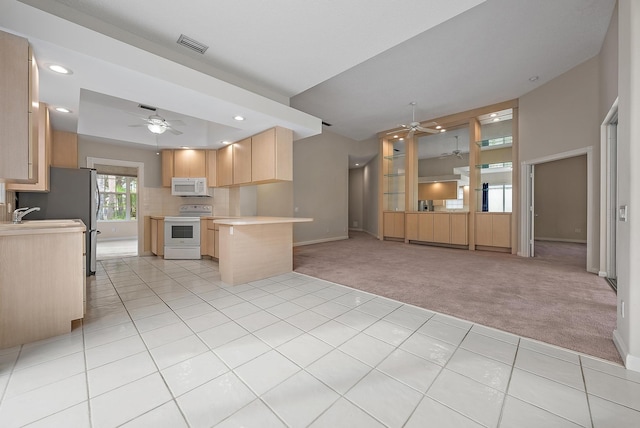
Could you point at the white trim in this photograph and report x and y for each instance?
(525, 223)
(319, 241)
(356, 229)
(605, 186)
(573, 241)
(631, 362)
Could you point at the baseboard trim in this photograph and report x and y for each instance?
(631, 362)
(602, 274)
(573, 241)
(356, 229)
(372, 234)
(320, 241)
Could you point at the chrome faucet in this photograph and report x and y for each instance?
(21, 212)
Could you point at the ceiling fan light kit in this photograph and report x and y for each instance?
(417, 126)
(156, 128)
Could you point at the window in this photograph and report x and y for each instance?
(500, 198)
(118, 197)
(456, 204)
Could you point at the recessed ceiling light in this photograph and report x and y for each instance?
(401, 139)
(493, 114)
(439, 127)
(497, 119)
(226, 142)
(395, 136)
(357, 164)
(184, 147)
(533, 78)
(60, 69)
(63, 110)
(443, 130)
(238, 117)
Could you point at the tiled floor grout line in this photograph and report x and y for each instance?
(185, 275)
(586, 391)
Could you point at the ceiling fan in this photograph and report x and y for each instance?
(457, 153)
(417, 126)
(156, 124)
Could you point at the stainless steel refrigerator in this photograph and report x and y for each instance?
(73, 194)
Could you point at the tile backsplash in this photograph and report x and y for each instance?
(159, 201)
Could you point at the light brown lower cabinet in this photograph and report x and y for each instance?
(441, 228)
(157, 236)
(204, 237)
(493, 230)
(213, 245)
(459, 228)
(437, 227)
(393, 224)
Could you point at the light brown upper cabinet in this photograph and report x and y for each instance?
(438, 191)
(167, 167)
(212, 174)
(224, 165)
(242, 162)
(44, 156)
(272, 156)
(189, 163)
(18, 110)
(64, 149)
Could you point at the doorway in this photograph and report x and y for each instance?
(560, 210)
(118, 215)
(561, 225)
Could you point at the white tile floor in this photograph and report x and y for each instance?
(166, 344)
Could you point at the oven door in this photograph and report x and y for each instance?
(182, 232)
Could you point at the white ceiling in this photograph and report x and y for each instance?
(354, 64)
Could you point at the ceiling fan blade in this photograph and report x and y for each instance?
(429, 130)
(402, 128)
(428, 124)
(176, 122)
(136, 126)
(174, 131)
(410, 134)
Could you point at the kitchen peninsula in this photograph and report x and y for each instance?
(42, 287)
(253, 248)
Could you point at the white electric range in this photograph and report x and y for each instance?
(182, 233)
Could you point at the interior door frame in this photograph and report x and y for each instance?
(91, 161)
(608, 202)
(526, 248)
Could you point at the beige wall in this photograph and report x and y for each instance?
(321, 184)
(627, 334)
(110, 149)
(561, 200)
(275, 199)
(562, 116)
(356, 198)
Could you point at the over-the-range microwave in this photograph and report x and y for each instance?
(184, 186)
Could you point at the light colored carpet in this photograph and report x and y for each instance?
(539, 298)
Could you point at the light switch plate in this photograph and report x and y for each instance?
(622, 213)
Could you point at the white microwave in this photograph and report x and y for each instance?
(183, 186)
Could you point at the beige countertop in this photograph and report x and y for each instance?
(247, 221)
(32, 227)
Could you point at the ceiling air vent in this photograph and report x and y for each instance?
(146, 107)
(195, 45)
